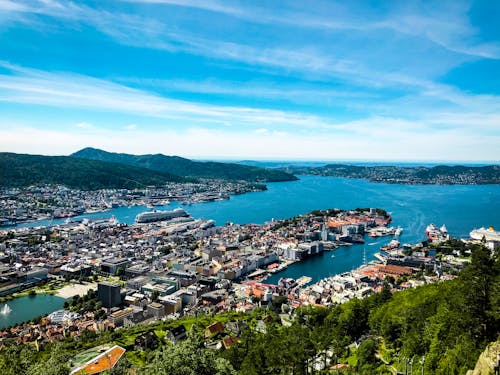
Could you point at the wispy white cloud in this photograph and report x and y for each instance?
(11, 6)
(85, 125)
(30, 86)
(305, 60)
(202, 142)
(445, 23)
(460, 111)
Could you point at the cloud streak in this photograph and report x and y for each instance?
(281, 145)
(30, 86)
(452, 32)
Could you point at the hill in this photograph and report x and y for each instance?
(18, 170)
(441, 174)
(186, 167)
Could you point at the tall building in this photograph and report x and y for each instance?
(109, 294)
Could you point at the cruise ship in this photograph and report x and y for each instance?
(151, 216)
(489, 234)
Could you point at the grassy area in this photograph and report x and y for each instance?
(135, 358)
(160, 333)
(50, 287)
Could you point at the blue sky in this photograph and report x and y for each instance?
(367, 80)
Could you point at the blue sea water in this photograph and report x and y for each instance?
(461, 207)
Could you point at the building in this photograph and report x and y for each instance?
(109, 294)
(177, 334)
(214, 329)
(156, 309)
(119, 316)
(148, 340)
(111, 266)
(303, 250)
(172, 304)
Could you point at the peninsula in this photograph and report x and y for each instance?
(438, 175)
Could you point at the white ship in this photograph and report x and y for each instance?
(489, 234)
(394, 244)
(151, 216)
(398, 232)
(436, 234)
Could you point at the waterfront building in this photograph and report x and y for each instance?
(63, 316)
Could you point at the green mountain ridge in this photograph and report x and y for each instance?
(19, 170)
(185, 167)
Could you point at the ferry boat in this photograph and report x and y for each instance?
(152, 216)
(436, 234)
(394, 244)
(381, 231)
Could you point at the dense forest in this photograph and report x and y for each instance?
(446, 324)
(189, 168)
(19, 170)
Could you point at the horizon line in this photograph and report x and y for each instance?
(235, 159)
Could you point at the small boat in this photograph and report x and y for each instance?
(398, 232)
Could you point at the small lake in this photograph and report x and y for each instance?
(26, 308)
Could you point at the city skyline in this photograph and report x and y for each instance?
(228, 80)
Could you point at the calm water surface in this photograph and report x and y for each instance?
(27, 308)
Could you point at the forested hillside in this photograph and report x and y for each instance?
(186, 167)
(19, 170)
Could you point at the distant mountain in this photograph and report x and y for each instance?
(186, 167)
(18, 170)
(441, 174)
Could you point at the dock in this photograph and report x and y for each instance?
(303, 280)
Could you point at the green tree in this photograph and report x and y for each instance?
(188, 358)
(57, 363)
